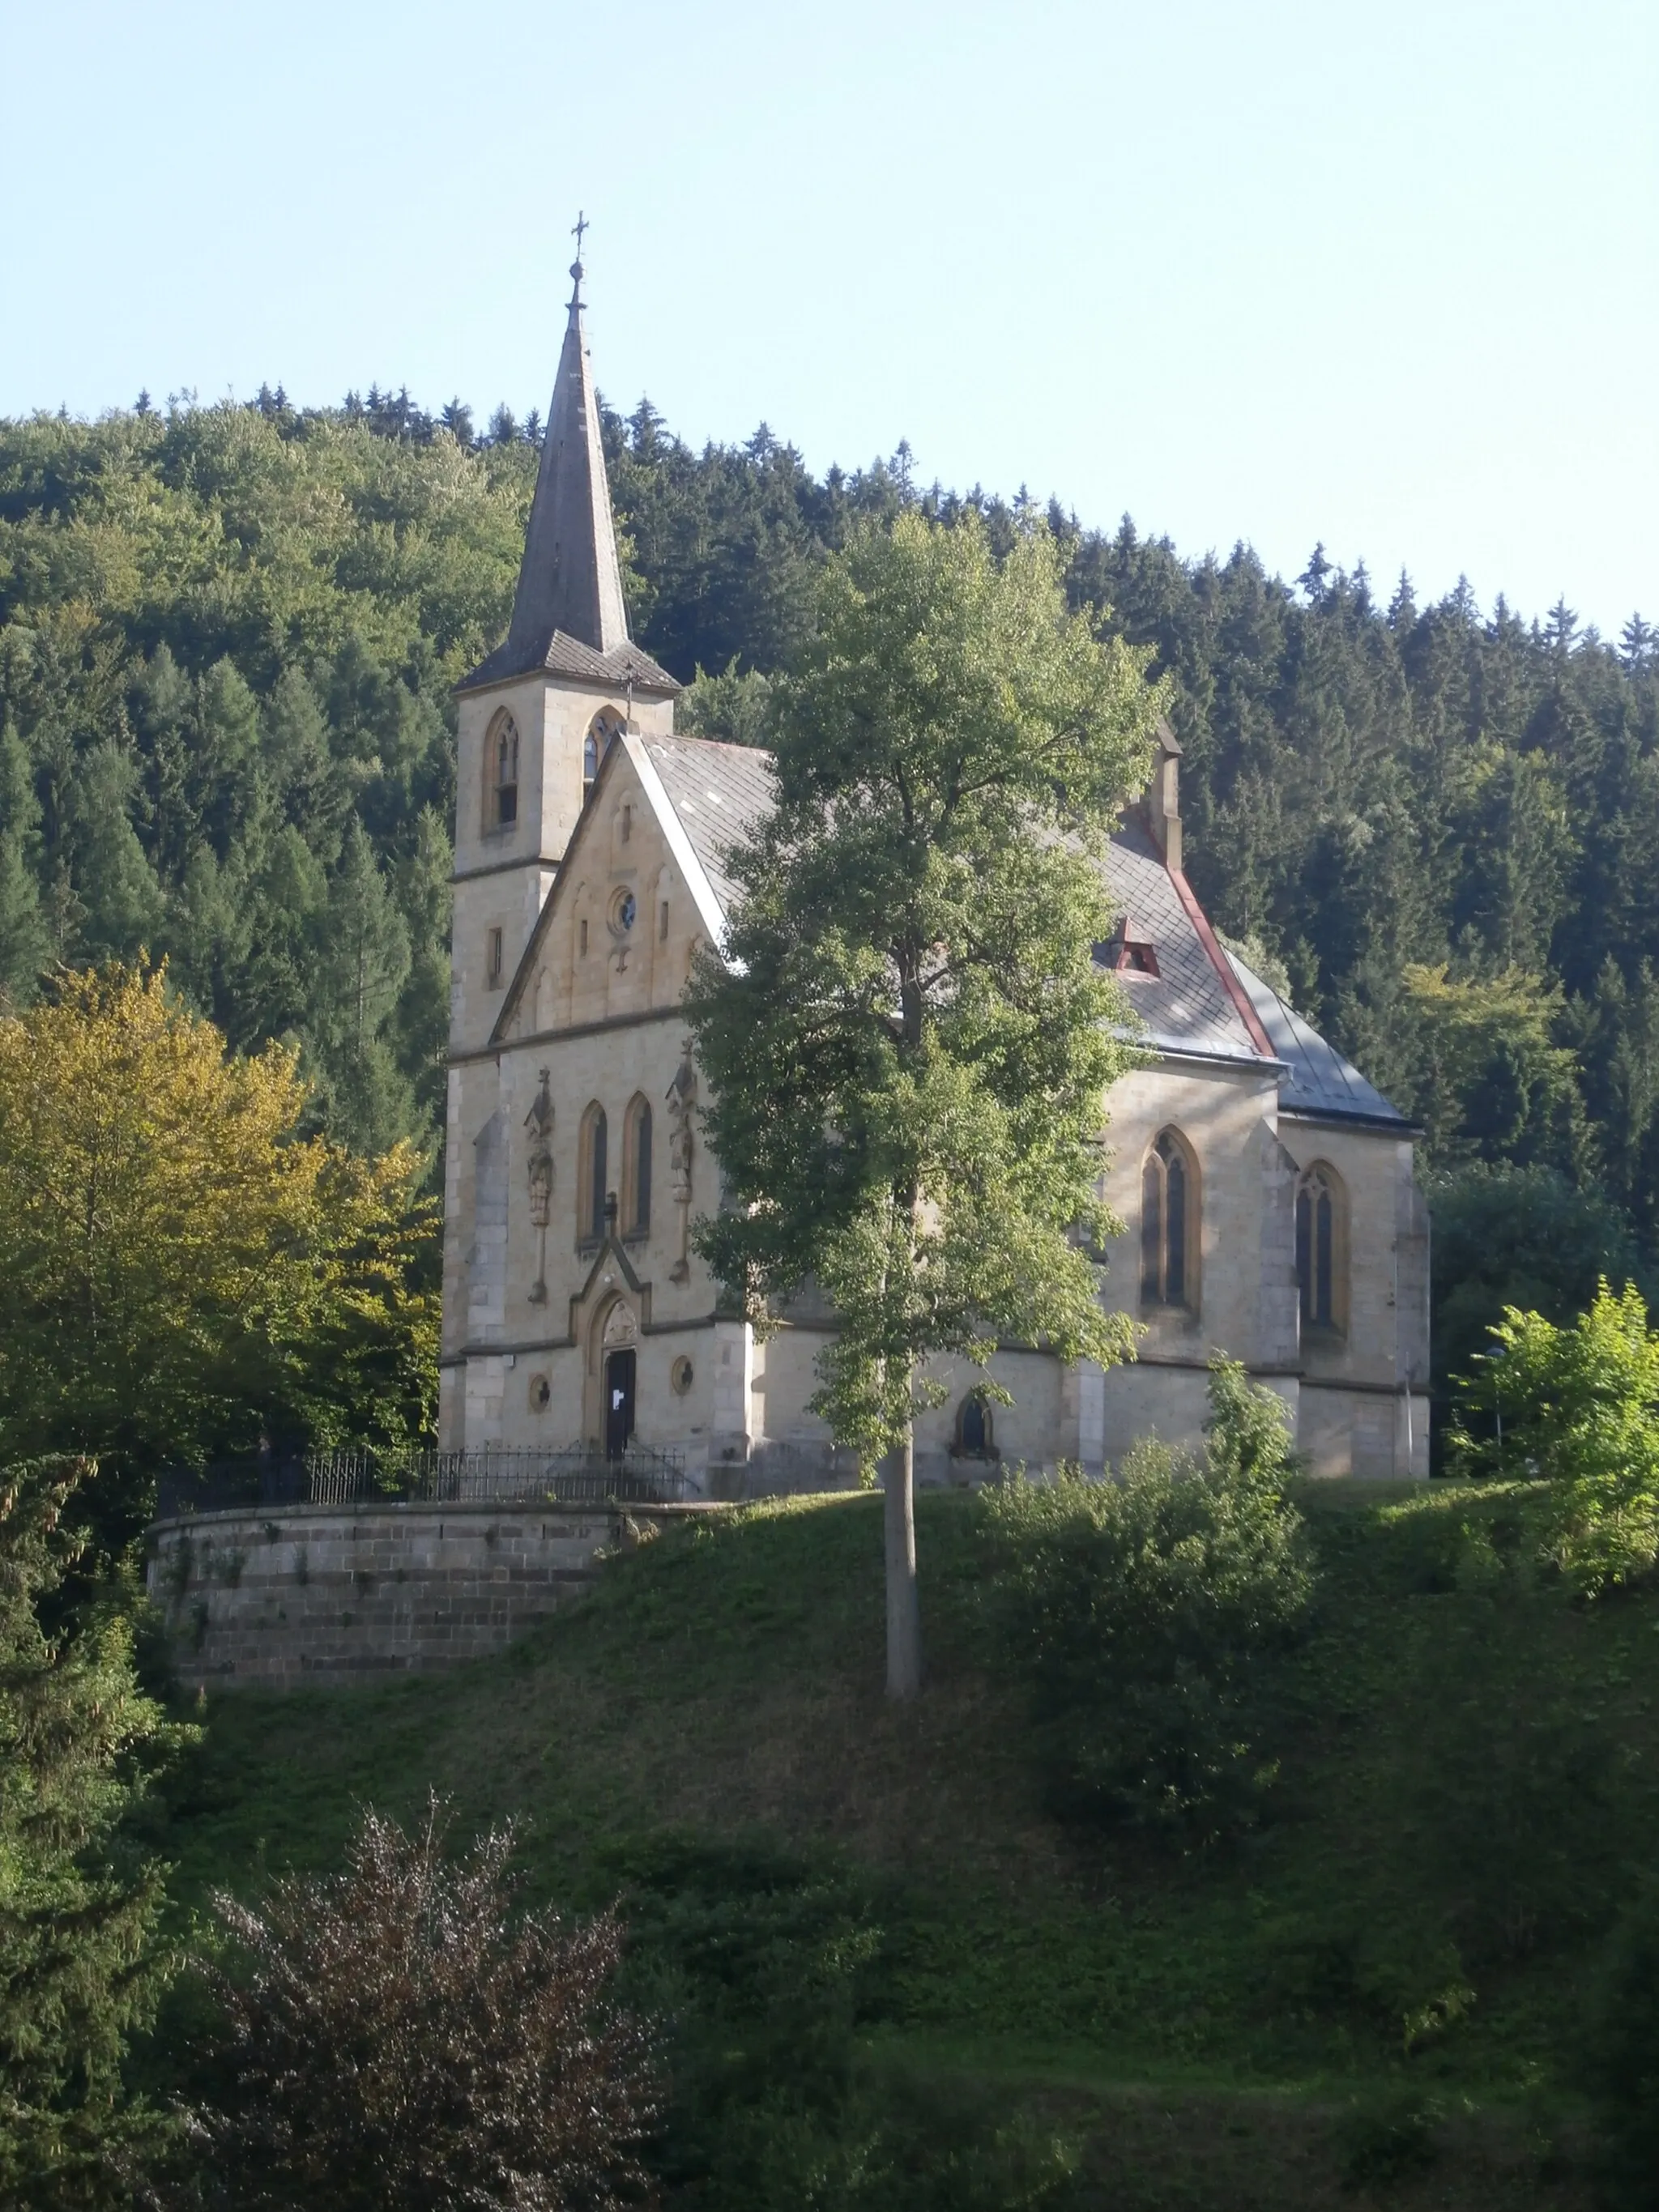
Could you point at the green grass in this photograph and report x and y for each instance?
(1467, 1790)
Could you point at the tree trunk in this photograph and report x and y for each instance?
(904, 1605)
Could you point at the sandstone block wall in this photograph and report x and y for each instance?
(283, 1596)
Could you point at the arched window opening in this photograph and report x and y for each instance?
(592, 1169)
(1320, 1256)
(605, 727)
(1169, 1222)
(636, 1169)
(503, 758)
(975, 1439)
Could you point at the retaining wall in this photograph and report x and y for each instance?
(330, 1593)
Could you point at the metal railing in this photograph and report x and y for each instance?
(577, 1474)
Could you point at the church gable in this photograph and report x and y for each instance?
(628, 909)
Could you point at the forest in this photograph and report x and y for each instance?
(228, 635)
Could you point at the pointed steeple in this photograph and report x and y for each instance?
(568, 615)
(569, 579)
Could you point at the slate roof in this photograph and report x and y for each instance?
(719, 791)
(1317, 1079)
(1186, 1007)
(568, 656)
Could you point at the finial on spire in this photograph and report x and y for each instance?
(578, 229)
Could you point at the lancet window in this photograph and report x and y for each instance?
(1321, 1238)
(1170, 1224)
(604, 726)
(592, 1166)
(636, 1168)
(503, 759)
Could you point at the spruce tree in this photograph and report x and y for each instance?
(25, 940)
(80, 1968)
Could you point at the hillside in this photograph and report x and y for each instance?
(227, 637)
(1381, 1990)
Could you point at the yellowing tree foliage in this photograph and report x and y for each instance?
(180, 1267)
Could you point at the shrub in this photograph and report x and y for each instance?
(772, 1970)
(1579, 1407)
(1620, 2062)
(1139, 1606)
(398, 2039)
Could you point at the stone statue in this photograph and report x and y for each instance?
(539, 1122)
(681, 1099)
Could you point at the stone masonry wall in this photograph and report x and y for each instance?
(285, 1595)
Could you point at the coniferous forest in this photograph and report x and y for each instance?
(228, 634)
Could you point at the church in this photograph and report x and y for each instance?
(1266, 1189)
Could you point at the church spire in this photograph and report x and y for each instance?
(569, 579)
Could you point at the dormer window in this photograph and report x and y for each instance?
(1127, 954)
(504, 773)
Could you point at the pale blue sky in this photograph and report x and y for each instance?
(1384, 276)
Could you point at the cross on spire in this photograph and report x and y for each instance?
(578, 231)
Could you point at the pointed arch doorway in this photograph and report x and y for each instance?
(619, 1366)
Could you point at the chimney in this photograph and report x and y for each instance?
(1163, 797)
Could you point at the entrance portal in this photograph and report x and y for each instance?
(618, 1401)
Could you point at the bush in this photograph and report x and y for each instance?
(1579, 1408)
(772, 1970)
(399, 2040)
(1621, 2062)
(1139, 1607)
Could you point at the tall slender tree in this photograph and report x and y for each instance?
(909, 1041)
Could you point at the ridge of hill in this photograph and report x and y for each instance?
(1383, 1990)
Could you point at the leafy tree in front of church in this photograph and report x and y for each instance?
(181, 1267)
(910, 1043)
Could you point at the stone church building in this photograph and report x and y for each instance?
(1266, 1188)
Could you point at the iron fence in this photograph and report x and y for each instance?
(578, 1474)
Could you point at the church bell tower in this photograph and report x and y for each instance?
(534, 719)
(536, 716)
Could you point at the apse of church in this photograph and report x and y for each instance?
(1267, 1190)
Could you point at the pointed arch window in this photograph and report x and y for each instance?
(636, 1168)
(1170, 1224)
(606, 725)
(502, 810)
(1322, 1248)
(591, 1167)
(974, 1437)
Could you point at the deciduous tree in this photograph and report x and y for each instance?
(398, 2039)
(909, 1043)
(178, 1266)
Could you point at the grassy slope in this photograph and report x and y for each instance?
(1469, 1768)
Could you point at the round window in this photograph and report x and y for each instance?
(622, 911)
(540, 1394)
(680, 1375)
